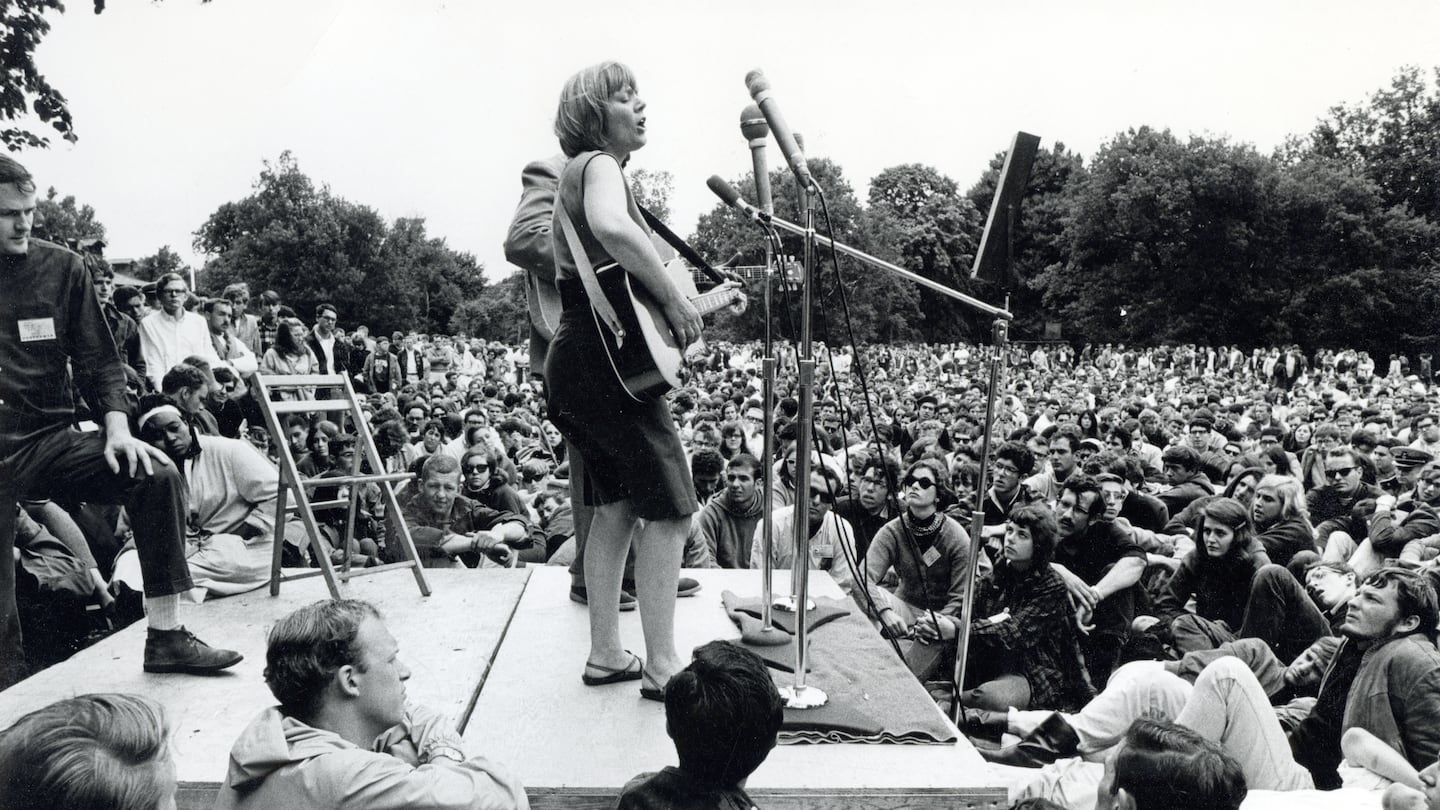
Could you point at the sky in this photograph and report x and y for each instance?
(431, 108)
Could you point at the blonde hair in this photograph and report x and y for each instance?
(580, 120)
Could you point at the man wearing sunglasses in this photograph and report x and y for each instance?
(1332, 506)
(832, 538)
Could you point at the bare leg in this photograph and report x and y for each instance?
(605, 552)
(658, 552)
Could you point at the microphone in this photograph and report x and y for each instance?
(759, 88)
(731, 197)
(756, 130)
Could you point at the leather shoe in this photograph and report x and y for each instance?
(985, 724)
(179, 650)
(685, 587)
(1051, 740)
(578, 594)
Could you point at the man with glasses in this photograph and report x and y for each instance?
(1427, 434)
(219, 316)
(1012, 462)
(832, 538)
(870, 507)
(52, 331)
(332, 352)
(1332, 506)
(169, 336)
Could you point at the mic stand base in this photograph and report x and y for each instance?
(786, 604)
(803, 697)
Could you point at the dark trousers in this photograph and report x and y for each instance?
(71, 464)
(1282, 614)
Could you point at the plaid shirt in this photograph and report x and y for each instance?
(267, 332)
(1039, 634)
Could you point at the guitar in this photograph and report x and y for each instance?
(645, 357)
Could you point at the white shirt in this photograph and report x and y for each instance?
(165, 340)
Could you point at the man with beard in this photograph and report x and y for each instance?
(869, 508)
(726, 524)
(447, 526)
(832, 538)
(1099, 562)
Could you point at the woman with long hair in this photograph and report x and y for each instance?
(636, 474)
(1218, 575)
(290, 355)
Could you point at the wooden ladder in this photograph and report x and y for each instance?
(293, 485)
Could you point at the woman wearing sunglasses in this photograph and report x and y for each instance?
(930, 553)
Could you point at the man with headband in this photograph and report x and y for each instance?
(52, 328)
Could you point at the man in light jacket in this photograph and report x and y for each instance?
(344, 735)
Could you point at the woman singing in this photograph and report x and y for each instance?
(634, 463)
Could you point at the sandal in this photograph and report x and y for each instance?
(632, 671)
(655, 693)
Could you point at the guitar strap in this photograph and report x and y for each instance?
(598, 301)
(686, 252)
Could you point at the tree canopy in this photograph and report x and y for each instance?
(314, 247)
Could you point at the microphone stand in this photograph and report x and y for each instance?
(767, 520)
(800, 694)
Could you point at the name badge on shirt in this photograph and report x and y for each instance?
(931, 555)
(37, 329)
(824, 549)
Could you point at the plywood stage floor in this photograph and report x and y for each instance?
(500, 652)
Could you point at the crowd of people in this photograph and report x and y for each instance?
(1207, 562)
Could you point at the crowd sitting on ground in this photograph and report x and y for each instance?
(1151, 515)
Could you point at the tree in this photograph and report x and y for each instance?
(936, 233)
(312, 247)
(879, 309)
(1171, 242)
(164, 261)
(1394, 139)
(652, 191)
(1041, 244)
(499, 313)
(25, 90)
(63, 221)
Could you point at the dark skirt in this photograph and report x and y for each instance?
(631, 449)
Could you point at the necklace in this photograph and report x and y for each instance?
(924, 527)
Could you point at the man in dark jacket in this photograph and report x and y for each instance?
(329, 348)
(1187, 481)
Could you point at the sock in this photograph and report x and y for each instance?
(161, 610)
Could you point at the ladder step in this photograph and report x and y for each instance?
(341, 480)
(310, 406)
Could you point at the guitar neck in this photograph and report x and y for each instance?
(714, 300)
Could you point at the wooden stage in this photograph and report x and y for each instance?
(501, 653)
